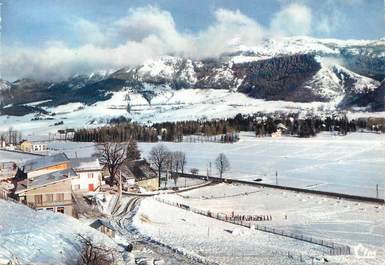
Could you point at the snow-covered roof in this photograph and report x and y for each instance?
(45, 161)
(281, 126)
(45, 179)
(85, 164)
(139, 169)
(99, 222)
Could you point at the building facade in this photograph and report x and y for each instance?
(89, 174)
(52, 191)
(141, 172)
(27, 146)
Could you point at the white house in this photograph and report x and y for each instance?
(39, 147)
(28, 146)
(89, 173)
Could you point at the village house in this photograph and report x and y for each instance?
(51, 191)
(139, 174)
(89, 172)
(7, 170)
(48, 182)
(7, 173)
(104, 226)
(44, 165)
(27, 146)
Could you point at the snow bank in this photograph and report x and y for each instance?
(42, 237)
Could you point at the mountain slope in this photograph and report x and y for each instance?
(341, 74)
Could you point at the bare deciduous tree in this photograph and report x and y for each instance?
(169, 164)
(112, 156)
(182, 161)
(158, 158)
(179, 162)
(222, 164)
(92, 254)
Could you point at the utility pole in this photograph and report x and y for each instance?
(377, 191)
(210, 169)
(276, 178)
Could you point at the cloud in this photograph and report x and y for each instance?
(329, 18)
(231, 28)
(144, 33)
(89, 32)
(294, 19)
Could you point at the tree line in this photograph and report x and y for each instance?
(121, 132)
(11, 136)
(226, 130)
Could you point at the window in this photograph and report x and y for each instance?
(60, 209)
(49, 197)
(77, 187)
(60, 197)
(90, 175)
(38, 199)
(49, 209)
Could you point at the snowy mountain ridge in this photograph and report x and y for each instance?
(277, 74)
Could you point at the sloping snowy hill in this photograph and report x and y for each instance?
(41, 237)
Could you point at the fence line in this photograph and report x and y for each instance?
(295, 189)
(333, 248)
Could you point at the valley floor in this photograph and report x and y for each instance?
(166, 105)
(352, 164)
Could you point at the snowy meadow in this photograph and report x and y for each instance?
(352, 164)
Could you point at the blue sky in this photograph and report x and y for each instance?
(40, 29)
(33, 21)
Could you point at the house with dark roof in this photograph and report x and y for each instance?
(140, 174)
(51, 191)
(104, 226)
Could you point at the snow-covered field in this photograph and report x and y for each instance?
(218, 241)
(42, 237)
(73, 149)
(359, 225)
(341, 221)
(351, 164)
